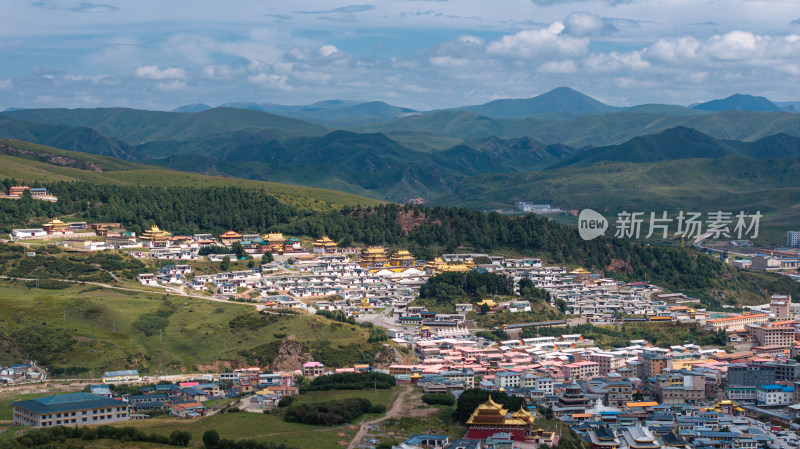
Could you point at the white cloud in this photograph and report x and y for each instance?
(328, 50)
(543, 42)
(448, 61)
(172, 86)
(6, 84)
(152, 72)
(220, 72)
(567, 66)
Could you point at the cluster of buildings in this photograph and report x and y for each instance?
(37, 193)
(19, 373)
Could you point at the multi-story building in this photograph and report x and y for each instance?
(768, 335)
(680, 387)
(69, 409)
(651, 364)
(313, 369)
(737, 322)
(581, 370)
(781, 306)
(774, 395)
(507, 379)
(609, 363)
(793, 239)
(619, 393)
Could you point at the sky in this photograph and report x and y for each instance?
(422, 54)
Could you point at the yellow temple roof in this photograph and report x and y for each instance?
(274, 237)
(580, 271)
(324, 241)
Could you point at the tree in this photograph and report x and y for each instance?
(179, 438)
(211, 439)
(225, 265)
(238, 249)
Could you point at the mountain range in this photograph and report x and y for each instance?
(388, 153)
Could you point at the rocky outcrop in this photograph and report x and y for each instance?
(389, 355)
(291, 355)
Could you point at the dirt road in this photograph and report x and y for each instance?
(394, 412)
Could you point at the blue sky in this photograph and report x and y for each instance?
(414, 53)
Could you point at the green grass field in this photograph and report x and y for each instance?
(272, 427)
(94, 329)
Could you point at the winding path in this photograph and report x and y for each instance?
(394, 412)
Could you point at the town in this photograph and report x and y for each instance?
(636, 395)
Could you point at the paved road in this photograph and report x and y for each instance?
(394, 412)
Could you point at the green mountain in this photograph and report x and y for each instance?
(136, 126)
(197, 107)
(685, 143)
(81, 139)
(595, 130)
(332, 112)
(739, 102)
(560, 99)
(31, 163)
(733, 182)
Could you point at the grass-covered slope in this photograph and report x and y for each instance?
(32, 162)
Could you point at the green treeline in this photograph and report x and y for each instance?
(446, 287)
(59, 434)
(331, 413)
(350, 381)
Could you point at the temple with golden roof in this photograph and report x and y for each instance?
(402, 258)
(439, 266)
(373, 256)
(155, 238)
(491, 418)
(55, 226)
(229, 237)
(324, 245)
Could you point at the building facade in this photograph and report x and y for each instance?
(69, 409)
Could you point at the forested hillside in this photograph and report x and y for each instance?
(432, 230)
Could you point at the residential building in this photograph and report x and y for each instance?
(793, 239)
(651, 364)
(581, 370)
(619, 393)
(113, 377)
(313, 369)
(768, 335)
(781, 306)
(774, 395)
(69, 409)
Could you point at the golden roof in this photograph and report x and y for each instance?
(402, 254)
(580, 271)
(324, 241)
(153, 233)
(274, 237)
(375, 250)
(230, 234)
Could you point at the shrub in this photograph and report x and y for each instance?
(211, 439)
(329, 413)
(438, 399)
(285, 401)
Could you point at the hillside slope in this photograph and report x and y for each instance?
(31, 162)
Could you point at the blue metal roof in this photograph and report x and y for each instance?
(68, 402)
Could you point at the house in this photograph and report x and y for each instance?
(69, 409)
(226, 289)
(111, 377)
(313, 369)
(187, 409)
(147, 279)
(194, 394)
(425, 441)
